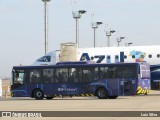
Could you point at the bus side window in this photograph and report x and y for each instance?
(80, 74)
(73, 77)
(102, 72)
(64, 76)
(95, 74)
(48, 76)
(35, 76)
(111, 72)
(125, 72)
(131, 72)
(88, 74)
(61, 75)
(56, 77)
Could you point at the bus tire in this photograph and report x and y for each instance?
(102, 93)
(113, 97)
(49, 98)
(38, 94)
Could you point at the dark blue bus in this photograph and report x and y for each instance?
(80, 79)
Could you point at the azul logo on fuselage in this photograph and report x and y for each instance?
(136, 55)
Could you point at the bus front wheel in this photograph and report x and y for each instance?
(102, 93)
(38, 94)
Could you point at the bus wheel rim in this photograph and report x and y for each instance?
(101, 93)
(39, 94)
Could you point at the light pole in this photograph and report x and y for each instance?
(108, 34)
(128, 44)
(119, 40)
(76, 16)
(46, 25)
(95, 26)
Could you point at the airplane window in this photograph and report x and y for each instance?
(92, 58)
(44, 59)
(125, 56)
(83, 58)
(108, 57)
(158, 55)
(150, 56)
(133, 56)
(116, 57)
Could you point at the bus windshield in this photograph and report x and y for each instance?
(19, 76)
(144, 71)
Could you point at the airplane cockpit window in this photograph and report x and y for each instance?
(44, 59)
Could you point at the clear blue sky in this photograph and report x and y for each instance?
(22, 26)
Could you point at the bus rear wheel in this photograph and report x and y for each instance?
(113, 97)
(38, 94)
(102, 93)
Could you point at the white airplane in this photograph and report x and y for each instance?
(150, 54)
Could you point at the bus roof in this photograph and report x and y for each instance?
(76, 62)
(75, 65)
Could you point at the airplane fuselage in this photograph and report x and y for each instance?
(150, 54)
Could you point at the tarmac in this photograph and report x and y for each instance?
(123, 105)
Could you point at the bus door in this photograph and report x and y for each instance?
(67, 80)
(125, 87)
(85, 76)
(126, 75)
(144, 79)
